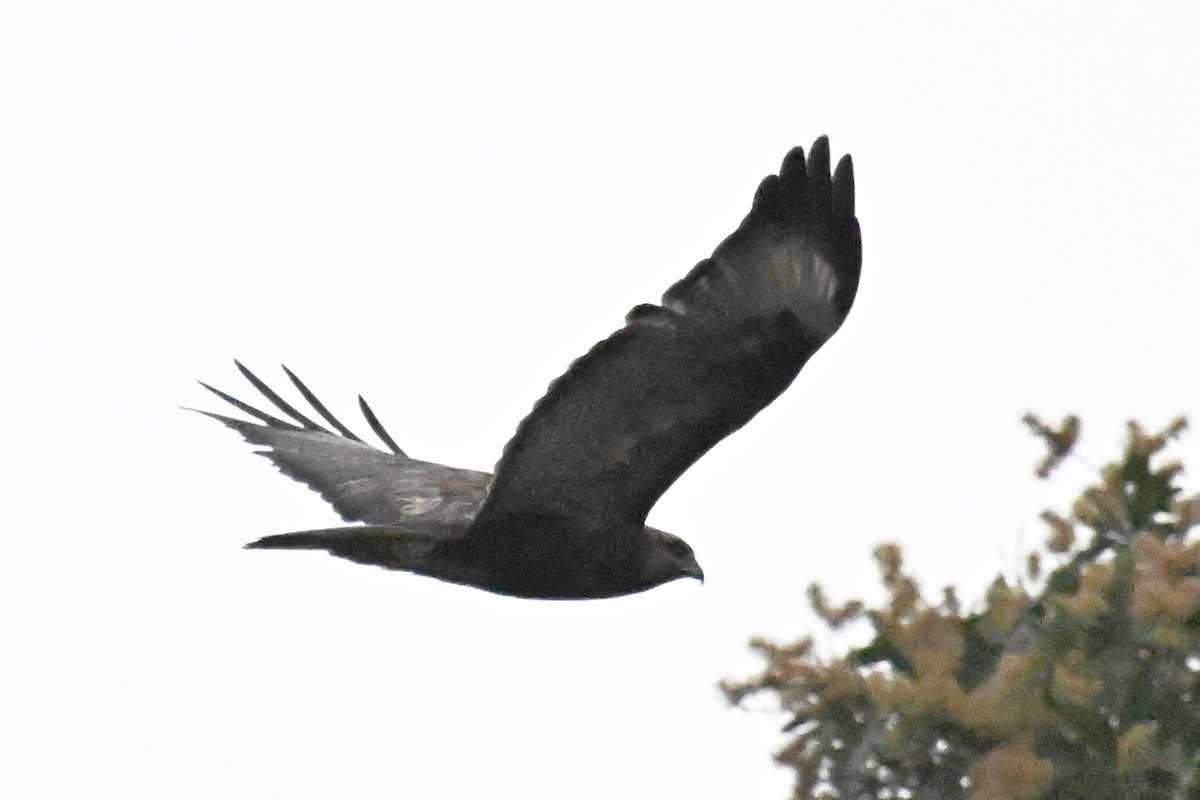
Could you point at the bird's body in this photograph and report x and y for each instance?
(564, 515)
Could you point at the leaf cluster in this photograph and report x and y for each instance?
(1080, 682)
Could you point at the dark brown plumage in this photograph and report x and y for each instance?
(564, 516)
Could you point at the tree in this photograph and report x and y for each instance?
(1083, 682)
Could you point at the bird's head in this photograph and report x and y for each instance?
(672, 557)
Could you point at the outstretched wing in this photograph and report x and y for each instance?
(361, 482)
(626, 420)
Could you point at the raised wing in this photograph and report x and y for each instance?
(361, 482)
(626, 420)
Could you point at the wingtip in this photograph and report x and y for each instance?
(819, 152)
(818, 168)
(793, 163)
(843, 186)
(228, 398)
(378, 428)
(767, 193)
(800, 176)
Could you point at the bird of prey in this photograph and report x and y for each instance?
(564, 515)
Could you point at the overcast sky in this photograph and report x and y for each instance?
(439, 205)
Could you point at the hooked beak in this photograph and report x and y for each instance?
(694, 571)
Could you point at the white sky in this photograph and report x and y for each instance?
(440, 205)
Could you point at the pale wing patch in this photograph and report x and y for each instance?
(804, 282)
(420, 505)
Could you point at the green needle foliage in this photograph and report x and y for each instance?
(1086, 687)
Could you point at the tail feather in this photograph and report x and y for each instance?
(392, 547)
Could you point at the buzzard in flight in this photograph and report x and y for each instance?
(564, 516)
